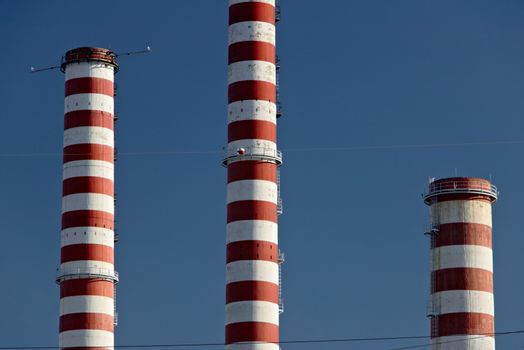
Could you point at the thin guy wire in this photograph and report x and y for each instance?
(498, 334)
(302, 149)
(306, 341)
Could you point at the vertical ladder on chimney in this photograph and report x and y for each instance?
(434, 304)
(115, 313)
(280, 208)
(281, 259)
(279, 103)
(434, 326)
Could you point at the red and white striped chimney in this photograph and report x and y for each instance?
(461, 305)
(253, 203)
(86, 275)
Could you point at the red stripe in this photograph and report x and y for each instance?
(251, 210)
(459, 197)
(252, 90)
(87, 117)
(251, 290)
(97, 252)
(89, 151)
(252, 129)
(463, 183)
(251, 332)
(89, 85)
(466, 323)
(251, 11)
(77, 321)
(94, 218)
(463, 279)
(252, 170)
(88, 184)
(463, 234)
(460, 182)
(75, 287)
(252, 250)
(91, 54)
(251, 51)
(85, 348)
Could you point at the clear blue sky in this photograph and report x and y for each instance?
(354, 73)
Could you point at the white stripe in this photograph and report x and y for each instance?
(252, 190)
(252, 270)
(89, 134)
(87, 304)
(252, 31)
(88, 201)
(233, 2)
(250, 144)
(465, 342)
(97, 168)
(252, 230)
(459, 256)
(87, 235)
(252, 311)
(89, 70)
(252, 346)
(473, 211)
(252, 110)
(452, 301)
(86, 338)
(252, 70)
(87, 267)
(98, 102)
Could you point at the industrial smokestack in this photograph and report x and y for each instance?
(461, 305)
(86, 275)
(253, 300)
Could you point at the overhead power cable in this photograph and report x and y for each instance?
(406, 146)
(299, 341)
(497, 334)
(298, 149)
